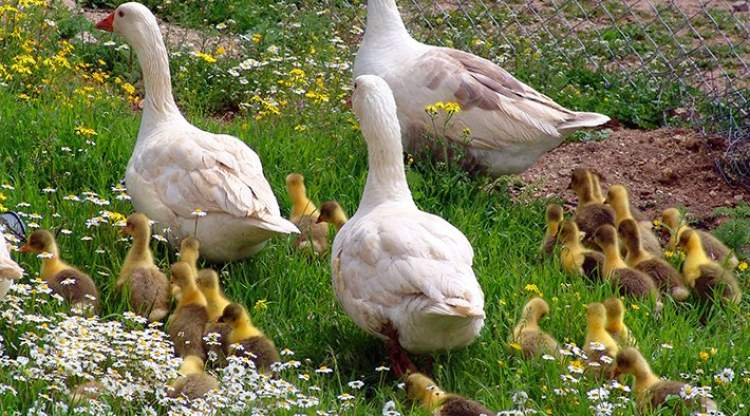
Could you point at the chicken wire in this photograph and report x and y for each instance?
(700, 48)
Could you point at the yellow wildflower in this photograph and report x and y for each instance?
(85, 131)
(635, 307)
(261, 305)
(257, 38)
(452, 108)
(703, 355)
(516, 346)
(220, 51)
(431, 110)
(297, 73)
(531, 287)
(657, 223)
(742, 266)
(300, 127)
(128, 88)
(206, 57)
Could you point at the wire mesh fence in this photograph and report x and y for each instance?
(688, 59)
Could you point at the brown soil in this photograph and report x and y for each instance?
(661, 168)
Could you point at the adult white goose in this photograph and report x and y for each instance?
(177, 168)
(511, 124)
(402, 274)
(9, 269)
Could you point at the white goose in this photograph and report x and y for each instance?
(9, 269)
(511, 124)
(402, 274)
(177, 168)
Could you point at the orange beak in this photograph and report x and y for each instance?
(25, 249)
(107, 22)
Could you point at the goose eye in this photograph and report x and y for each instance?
(121, 13)
(355, 85)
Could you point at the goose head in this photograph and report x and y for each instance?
(134, 22)
(375, 108)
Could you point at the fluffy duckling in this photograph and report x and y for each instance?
(431, 397)
(616, 322)
(575, 258)
(704, 274)
(251, 342)
(652, 391)
(75, 286)
(188, 322)
(618, 199)
(631, 282)
(305, 216)
(664, 275)
(599, 342)
(553, 218)
(148, 286)
(590, 214)
(533, 341)
(715, 249)
(208, 283)
(332, 213)
(193, 382)
(189, 253)
(596, 186)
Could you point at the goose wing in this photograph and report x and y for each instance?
(497, 108)
(213, 173)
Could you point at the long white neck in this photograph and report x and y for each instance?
(384, 21)
(159, 105)
(386, 179)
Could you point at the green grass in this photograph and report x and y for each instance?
(302, 313)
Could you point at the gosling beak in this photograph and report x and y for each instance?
(319, 220)
(25, 249)
(124, 231)
(106, 23)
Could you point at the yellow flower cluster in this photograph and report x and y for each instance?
(268, 107)
(531, 287)
(85, 131)
(205, 57)
(449, 108)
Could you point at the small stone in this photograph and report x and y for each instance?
(667, 176)
(738, 198)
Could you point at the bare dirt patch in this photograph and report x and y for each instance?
(661, 168)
